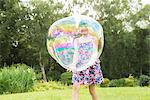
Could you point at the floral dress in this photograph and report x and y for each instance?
(92, 75)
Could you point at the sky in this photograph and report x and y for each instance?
(146, 2)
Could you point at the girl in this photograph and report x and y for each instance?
(91, 76)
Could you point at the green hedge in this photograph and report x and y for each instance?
(124, 82)
(16, 78)
(117, 83)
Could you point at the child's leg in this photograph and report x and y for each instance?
(75, 93)
(92, 91)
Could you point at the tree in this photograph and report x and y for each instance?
(12, 29)
(43, 15)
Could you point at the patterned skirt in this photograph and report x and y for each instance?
(92, 75)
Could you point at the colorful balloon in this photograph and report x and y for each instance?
(75, 42)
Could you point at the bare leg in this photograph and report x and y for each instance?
(75, 93)
(92, 91)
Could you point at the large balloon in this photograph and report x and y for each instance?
(75, 42)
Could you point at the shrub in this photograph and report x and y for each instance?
(66, 78)
(117, 83)
(105, 83)
(131, 81)
(17, 78)
(43, 86)
(124, 82)
(144, 80)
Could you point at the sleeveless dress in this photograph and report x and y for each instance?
(92, 75)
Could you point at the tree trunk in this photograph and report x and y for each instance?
(43, 73)
(141, 70)
(42, 67)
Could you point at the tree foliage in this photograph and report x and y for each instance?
(24, 27)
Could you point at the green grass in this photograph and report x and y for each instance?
(119, 93)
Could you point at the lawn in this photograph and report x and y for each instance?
(119, 93)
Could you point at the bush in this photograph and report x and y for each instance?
(105, 83)
(144, 80)
(43, 86)
(66, 78)
(124, 82)
(131, 81)
(117, 83)
(17, 78)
